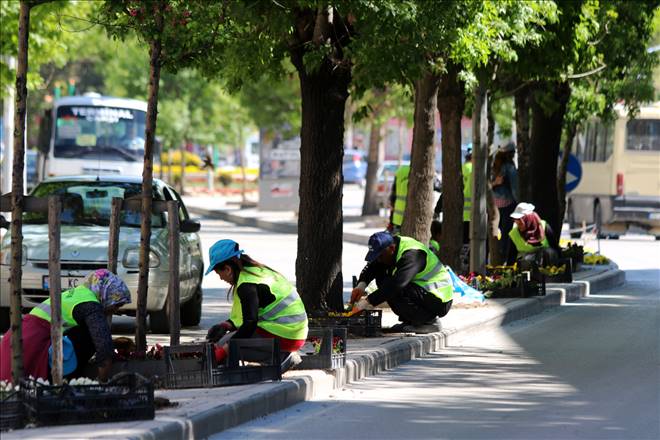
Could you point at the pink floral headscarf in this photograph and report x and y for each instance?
(108, 287)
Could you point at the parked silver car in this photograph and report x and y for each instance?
(85, 218)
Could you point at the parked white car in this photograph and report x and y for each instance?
(85, 218)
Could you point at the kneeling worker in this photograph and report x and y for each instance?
(412, 280)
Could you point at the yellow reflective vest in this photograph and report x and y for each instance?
(401, 187)
(434, 278)
(522, 246)
(467, 190)
(70, 299)
(285, 317)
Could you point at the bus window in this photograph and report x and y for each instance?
(643, 135)
(595, 143)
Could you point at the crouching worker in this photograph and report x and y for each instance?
(265, 304)
(534, 241)
(412, 280)
(86, 310)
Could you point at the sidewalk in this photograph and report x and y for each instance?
(203, 412)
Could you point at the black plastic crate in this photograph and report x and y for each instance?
(189, 366)
(365, 323)
(194, 366)
(12, 411)
(325, 339)
(240, 367)
(125, 397)
(515, 291)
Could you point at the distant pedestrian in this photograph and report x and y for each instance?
(410, 277)
(265, 304)
(467, 195)
(504, 179)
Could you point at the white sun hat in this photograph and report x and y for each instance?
(522, 209)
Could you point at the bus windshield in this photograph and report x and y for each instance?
(101, 133)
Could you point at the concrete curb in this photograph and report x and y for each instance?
(391, 354)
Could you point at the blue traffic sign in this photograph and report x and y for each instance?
(573, 173)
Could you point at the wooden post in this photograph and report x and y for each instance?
(113, 237)
(173, 288)
(55, 286)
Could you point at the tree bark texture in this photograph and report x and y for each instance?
(478, 215)
(419, 201)
(324, 90)
(493, 212)
(17, 199)
(569, 135)
(370, 205)
(544, 145)
(55, 287)
(451, 101)
(155, 49)
(522, 103)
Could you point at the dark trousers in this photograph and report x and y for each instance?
(417, 306)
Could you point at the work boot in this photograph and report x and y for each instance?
(398, 328)
(290, 361)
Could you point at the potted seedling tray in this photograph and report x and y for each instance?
(125, 397)
(325, 349)
(12, 412)
(366, 323)
(562, 272)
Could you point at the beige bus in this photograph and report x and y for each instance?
(620, 186)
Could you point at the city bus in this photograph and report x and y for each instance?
(94, 135)
(620, 186)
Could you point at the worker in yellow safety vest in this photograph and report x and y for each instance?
(532, 239)
(86, 330)
(467, 195)
(265, 303)
(410, 278)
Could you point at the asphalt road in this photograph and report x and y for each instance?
(588, 370)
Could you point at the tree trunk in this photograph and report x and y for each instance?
(569, 135)
(323, 94)
(478, 217)
(155, 49)
(419, 201)
(494, 256)
(522, 103)
(451, 101)
(544, 146)
(17, 199)
(370, 205)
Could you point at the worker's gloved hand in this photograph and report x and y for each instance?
(356, 294)
(390, 227)
(364, 304)
(218, 331)
(220, 354)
